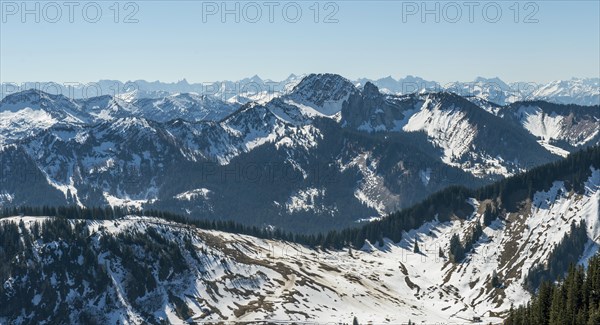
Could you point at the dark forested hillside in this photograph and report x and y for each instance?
(506, 195)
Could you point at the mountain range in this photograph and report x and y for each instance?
(286, 161)
(580, 91)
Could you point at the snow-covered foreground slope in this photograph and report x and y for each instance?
(217, 276)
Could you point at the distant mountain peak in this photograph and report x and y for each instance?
(29, 94)
(388, 78)
(370, 89)
(320, 83)
(37, 99)
(495, 81)
(323, 76)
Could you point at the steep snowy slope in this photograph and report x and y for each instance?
(18, 168)
(473, 139)
(117, 162)
(559, 128)
(105, 108)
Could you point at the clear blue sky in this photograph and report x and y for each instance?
(171, 41)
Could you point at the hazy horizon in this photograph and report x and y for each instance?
(194, 81)
(202, 41)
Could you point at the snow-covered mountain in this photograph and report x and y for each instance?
(472, 139)
(468, 136)
(579, 91)
(192, 106)
(573, 91)
(26, 113)
(321, 94)
(290, 158)
(130, 96)
(490, 89)
(225, 90)
(149, 270)
(559, 128)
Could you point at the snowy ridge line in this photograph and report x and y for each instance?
(584, 91)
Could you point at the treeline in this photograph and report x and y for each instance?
(69, 212)
(567, 252)
(113, 213)
(505, 195)
(573, 170)
(576, 300)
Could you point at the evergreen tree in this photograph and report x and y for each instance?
(495, 280)
(456, 249)
(488, 215)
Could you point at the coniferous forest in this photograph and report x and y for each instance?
(574, 300)
(564, 254)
